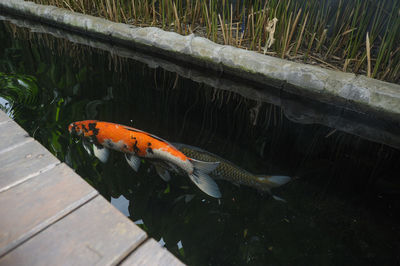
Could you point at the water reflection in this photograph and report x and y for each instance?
(122, 204)
(343, 208)
(344, 117)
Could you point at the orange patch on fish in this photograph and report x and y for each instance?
(136, 143)
(131, 139)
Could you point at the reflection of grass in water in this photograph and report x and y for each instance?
(20, 91)
(332, 33)
(243, 122)
(246, 227)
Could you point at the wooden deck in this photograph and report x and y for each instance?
(50, 216)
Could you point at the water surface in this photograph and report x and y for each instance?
(342, 206)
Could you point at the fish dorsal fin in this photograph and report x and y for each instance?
(102, 153)
(181, 146)
(148, 134)
(133, 161)
(274, 180)
(163, 173)
(205, 167)
(205, 183)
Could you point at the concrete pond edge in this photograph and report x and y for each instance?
(300, 110)
(355, 92)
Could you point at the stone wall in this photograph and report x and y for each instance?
(350, 91)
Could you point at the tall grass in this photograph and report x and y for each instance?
(332, 33)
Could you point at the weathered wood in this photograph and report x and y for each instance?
(96, 233)
(24, 162)
(151, 253)
(33, 205)
(11, 135)
(50, 216)
(3, 117)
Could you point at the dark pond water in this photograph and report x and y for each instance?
(342, 208)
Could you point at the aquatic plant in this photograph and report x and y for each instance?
(18, 91)
(330, 33)
(337, 170)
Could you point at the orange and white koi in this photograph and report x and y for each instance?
(136, 144)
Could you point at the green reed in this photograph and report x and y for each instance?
(332, 33)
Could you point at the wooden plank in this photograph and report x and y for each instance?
(151, 253)
(12, 135)
(33, 205)
(3, 117)
(24, 162)
(96, 233)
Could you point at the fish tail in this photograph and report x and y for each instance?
(201, 178)
(274, 180)
(275, 197)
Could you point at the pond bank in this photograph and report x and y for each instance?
(356, 93)
(297, 109)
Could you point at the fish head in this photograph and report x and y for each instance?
(85, 128)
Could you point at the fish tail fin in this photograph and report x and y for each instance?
(205, 183)
(205, 167)
(275, 197)
(274, 180)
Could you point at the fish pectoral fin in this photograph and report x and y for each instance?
(102, 153)
(205, 167)
(163, 173)
(133, 161)
(205, 183)
(173, 168)
(87, 146)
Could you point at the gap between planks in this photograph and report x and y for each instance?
(12, 147)
(50, 221)
(28, 177)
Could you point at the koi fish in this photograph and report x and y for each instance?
(229, 171)
(137, 144)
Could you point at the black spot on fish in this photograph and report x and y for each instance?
(92, 127)
(135, 147)
(93, 139)
(84, 128)
(98, 146)
(150, 150)
(110, 143)
(73, 129)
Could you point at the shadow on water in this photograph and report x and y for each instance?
(343, 207)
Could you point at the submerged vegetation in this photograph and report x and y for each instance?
(343, 208)
(360, 36)
(17, 90)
